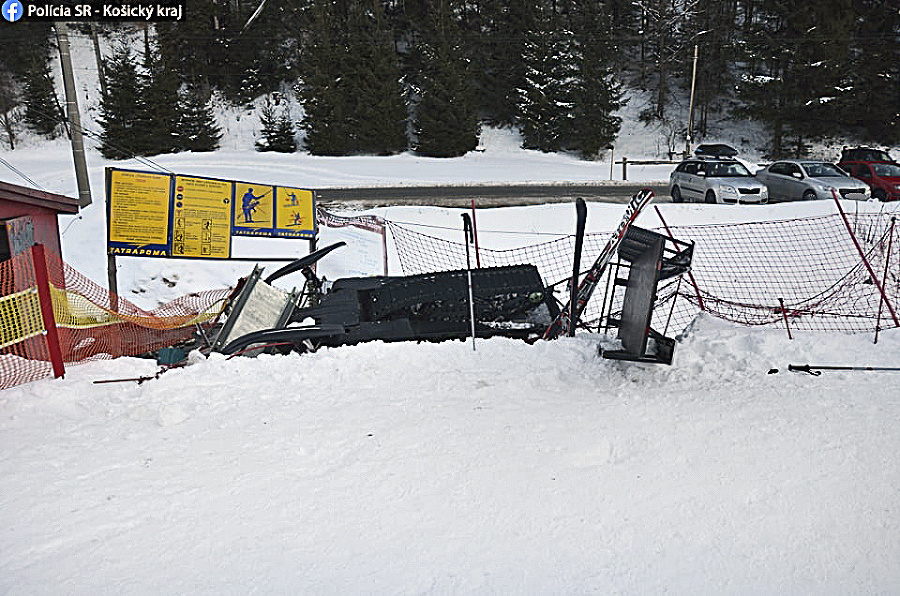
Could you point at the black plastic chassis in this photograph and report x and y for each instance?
(508, 301)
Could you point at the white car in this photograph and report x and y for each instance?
(715, 181)
(808, 180)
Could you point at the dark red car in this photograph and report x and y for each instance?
(882, 176)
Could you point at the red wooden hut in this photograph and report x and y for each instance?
(29, 216)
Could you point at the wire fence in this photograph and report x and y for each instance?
(804, 273)
(809, 274)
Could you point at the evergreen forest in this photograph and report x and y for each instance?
(386, 76)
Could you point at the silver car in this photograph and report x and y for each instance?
(715, 181)
(793, 180)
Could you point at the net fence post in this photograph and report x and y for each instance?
(690, 273)
(784, 316)
(42, 280)
(865, 261)
(887, 260)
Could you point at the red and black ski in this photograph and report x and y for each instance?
(569, 316)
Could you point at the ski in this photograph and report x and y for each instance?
(571, 313)
(580, 222)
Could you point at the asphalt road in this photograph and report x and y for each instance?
(487, 195)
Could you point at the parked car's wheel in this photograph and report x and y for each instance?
(710, 196)
(879, 194)
(809, 196)
(676, 195)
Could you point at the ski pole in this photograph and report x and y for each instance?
(138, 380)
(817, 370)
(469, 234)
(580, 220)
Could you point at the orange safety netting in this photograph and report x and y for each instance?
(91, 322)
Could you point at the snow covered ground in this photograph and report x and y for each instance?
(432, 468)
(435, 469)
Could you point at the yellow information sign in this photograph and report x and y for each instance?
(138, 216)
(201, 225)
(253, 209)
(169, 215)
(294, 213)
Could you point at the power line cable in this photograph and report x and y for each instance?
(98, 138)
(22, 174)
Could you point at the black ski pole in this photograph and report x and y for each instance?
(817, 370)
(581, 219)
(470, 237)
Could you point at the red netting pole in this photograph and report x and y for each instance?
(865, 261)
(784, 316)
(690, 274)
(42, 280)
(887, 260)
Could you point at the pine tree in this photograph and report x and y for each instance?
(497, 60)
(546, 103)
(597, 94)
(714, 82)
(797, 55)
(446, 124)
(212, 49)
(42, 109)
(277, 130)
(869, 98)
(162, 100)
(197, 128)
(325, 123)
(351, 91)
(124, 115)
(8, 107)
(25, 58)
(379, 107)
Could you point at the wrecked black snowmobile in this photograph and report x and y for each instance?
(509, 301)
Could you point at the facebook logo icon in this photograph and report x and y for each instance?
(13, 10)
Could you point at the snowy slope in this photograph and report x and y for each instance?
(432, 468)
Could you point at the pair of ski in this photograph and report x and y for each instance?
(580, 293)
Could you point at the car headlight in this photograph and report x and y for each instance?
(764, 192)
(728, 190)
(826, 189)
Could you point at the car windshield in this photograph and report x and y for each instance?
(822, 170)
(868, 155)
(887, 170)
(726, 170)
